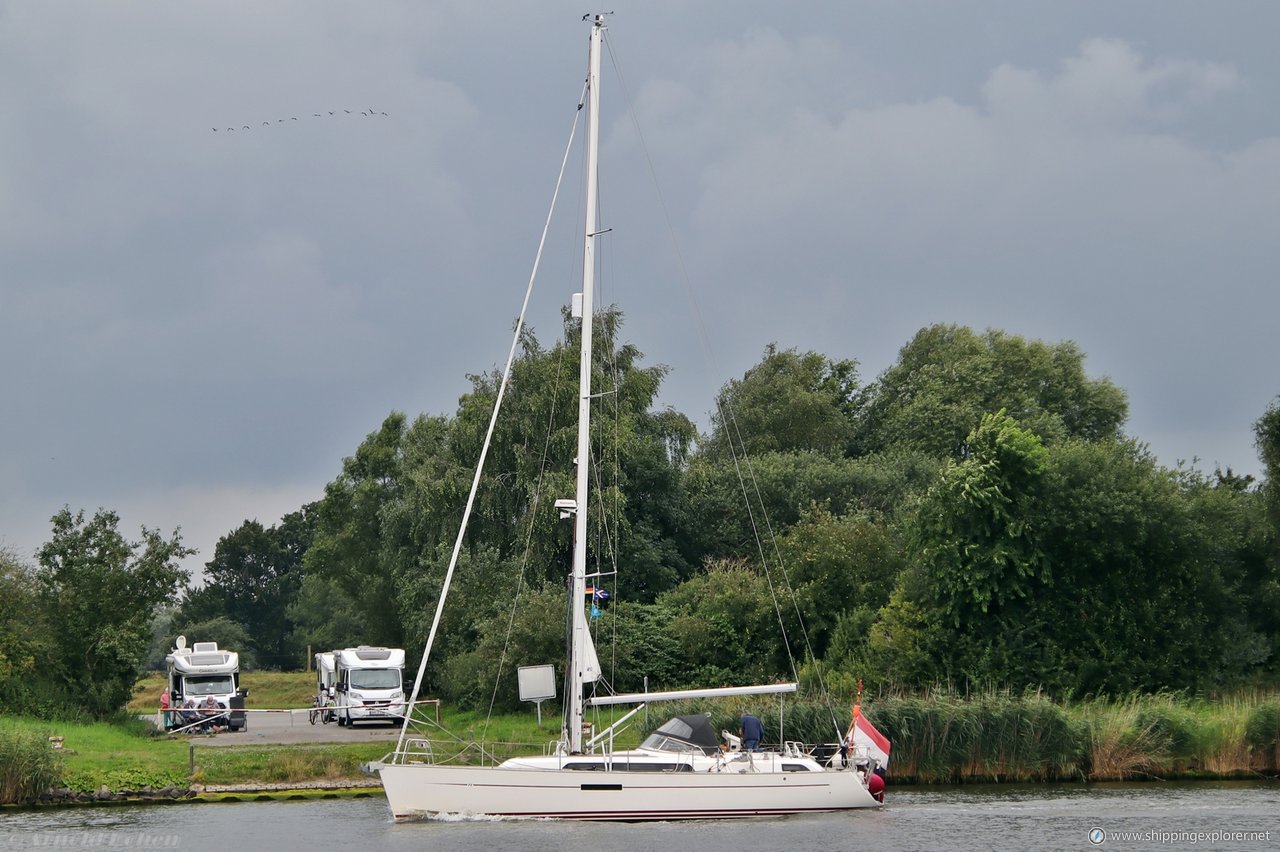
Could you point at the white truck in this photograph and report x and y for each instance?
(198, 674)
(367, 684)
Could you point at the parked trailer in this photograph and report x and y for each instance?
(202, 672)
(368, 684)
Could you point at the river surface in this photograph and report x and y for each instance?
(1158, 815)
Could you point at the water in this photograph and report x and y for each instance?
(1162, 816)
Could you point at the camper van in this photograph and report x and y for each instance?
(322, 705)
(367, 684)
(201, 672)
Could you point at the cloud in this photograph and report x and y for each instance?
(1073, 203)
(201, 515)
(1029, 140)
(1108, 84)
(207, 317)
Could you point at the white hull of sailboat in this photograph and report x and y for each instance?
(423, 790)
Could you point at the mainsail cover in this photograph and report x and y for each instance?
(590, 662)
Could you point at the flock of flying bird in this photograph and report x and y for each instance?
(367, 113)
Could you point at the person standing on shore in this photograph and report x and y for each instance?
(165, 703)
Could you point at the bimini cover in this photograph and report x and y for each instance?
(684, 732)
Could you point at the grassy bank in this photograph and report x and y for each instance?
(28, 764)
(940, 737)
(127, 755)
(119, 756)
(283, 764)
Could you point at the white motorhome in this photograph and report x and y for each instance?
(326, 688)
(201, 672)
(368, 684)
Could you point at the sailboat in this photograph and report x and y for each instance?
(681, 771)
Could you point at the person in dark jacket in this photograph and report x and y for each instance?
(752, 731)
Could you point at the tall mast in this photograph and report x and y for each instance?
(577, 608)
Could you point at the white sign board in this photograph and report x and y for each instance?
(537, 683)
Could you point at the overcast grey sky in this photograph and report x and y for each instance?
(196, 325)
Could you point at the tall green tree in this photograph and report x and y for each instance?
(504, 639)
(348, 549)
(254, 575)
(734, 507)
(789, 401)
(1081, 566)
(948, 377)
(100, 593)
(386, 526)
(977, 551)
(977, 532)
(637, 455)
(1141, 575)
(24, 634)
(838, 572)
(727, 626)
(228, 634)
(1234, 540)
(1267, 439)
(324, 617)
(1265, 603)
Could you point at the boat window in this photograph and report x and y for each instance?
(677, 728)
(587, 767)
(684, 734)
(658, 742)
(794, 767)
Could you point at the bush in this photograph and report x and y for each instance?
(29, 765)
(943, 738)
(41, 698)
(1171, 732)
(1155, 736)
(1262, 733)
